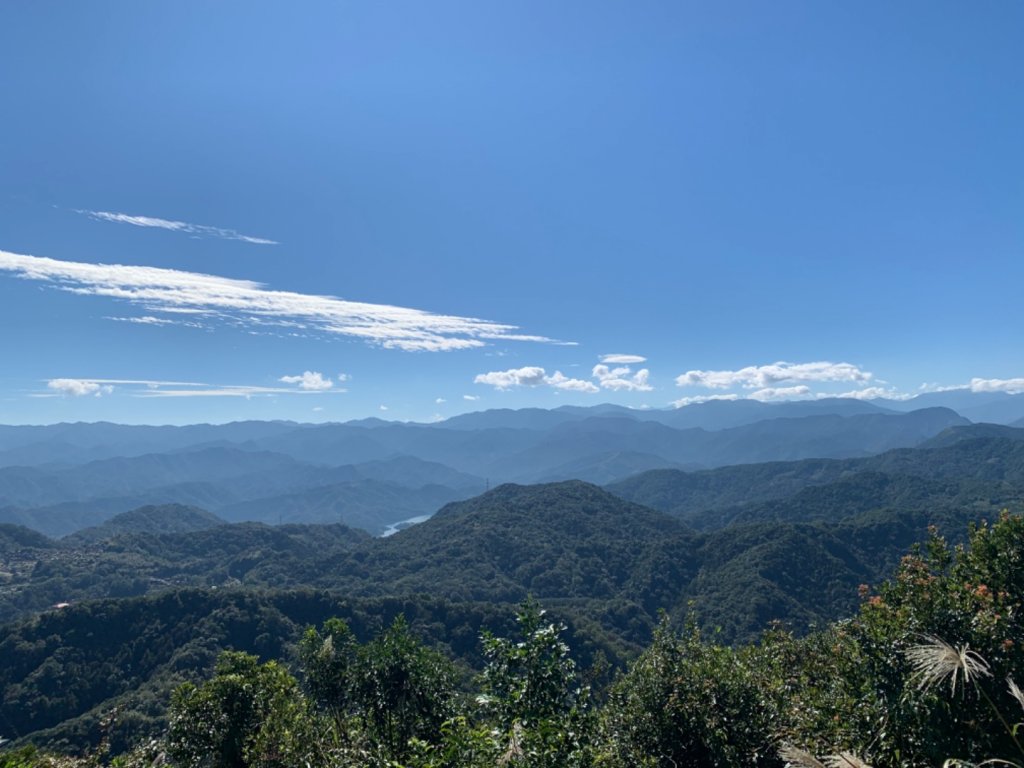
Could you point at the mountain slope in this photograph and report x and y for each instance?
(560, 540)
(167, 518)
(570, 542)
(980, 474)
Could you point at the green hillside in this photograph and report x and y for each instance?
(976, 476)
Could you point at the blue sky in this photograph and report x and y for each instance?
(485, 200)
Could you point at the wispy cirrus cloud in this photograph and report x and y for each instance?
(197, 230)
(248, 303)
(623, 359)
(230, 390)
(147, 388)
(766, 376)
(156, 321)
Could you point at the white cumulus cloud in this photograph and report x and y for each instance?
(200, 230)
(873, 393)
(623, 359)
(615, 379)
(471, 398)
(1010, 386)
(312, 381)
(530, 376)
(766, 376)
(622, 378)
(560, 381)
(773, 394)
(253, 305)
(79, 387)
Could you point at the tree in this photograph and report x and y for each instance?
(402, 689)
(693, 703)
(532, 693)
(249, 715)
(328, 661)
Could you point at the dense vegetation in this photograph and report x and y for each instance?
(924, 673)
(732, 552)
(64, 671)
(964, 469)
(567, 542)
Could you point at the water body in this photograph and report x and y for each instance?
(394, 528)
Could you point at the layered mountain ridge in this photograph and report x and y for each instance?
(377, 475)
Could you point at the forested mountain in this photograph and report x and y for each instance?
(66, 670)
(17, 537)
(983, 474)
(973, 431)
(742, 545)
(169, 518)
(131, 653)
(38, 575)
(235, 483)
(563, 541)
(374, 474)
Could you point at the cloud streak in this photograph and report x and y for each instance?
(873, 393)
(249, 303)
(698, 399)
(767, 376)
(198, 230)
(309, 383)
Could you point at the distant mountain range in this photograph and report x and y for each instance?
(747, 543)
(373, 474)
(988, 407)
